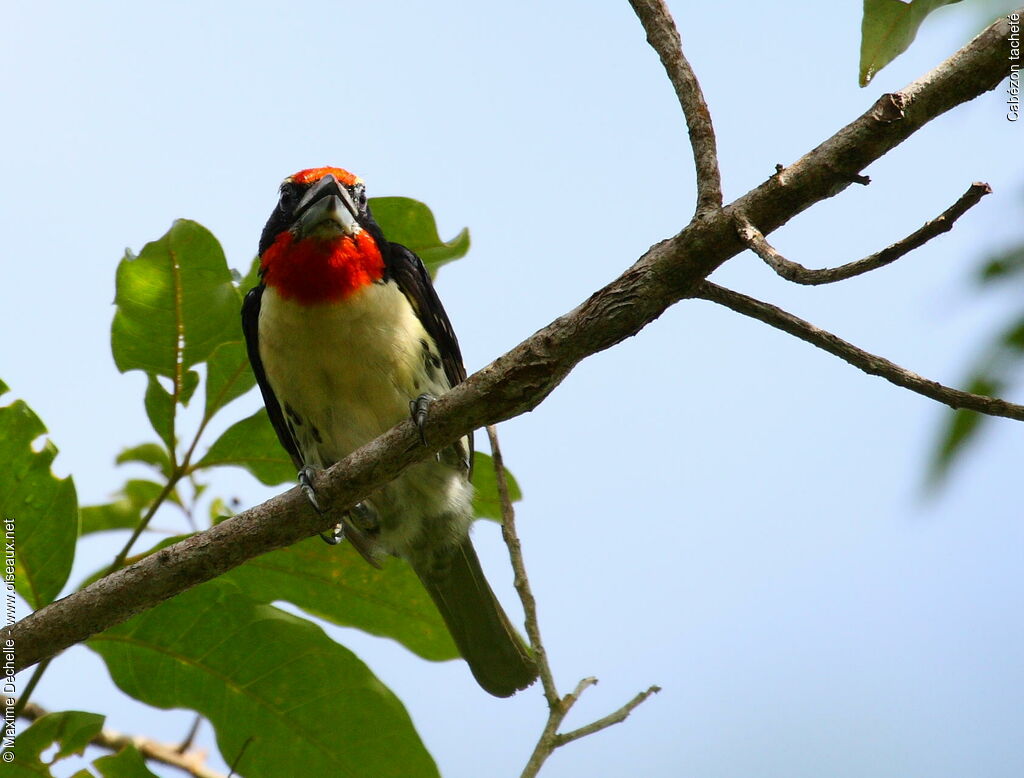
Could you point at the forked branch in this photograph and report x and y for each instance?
(798, 274)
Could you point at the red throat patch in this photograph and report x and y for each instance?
(321, 271)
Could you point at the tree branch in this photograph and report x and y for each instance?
(798, 274)
(869, 363)
(522, 582)
(111, 740)
(520, 380)
(558, 707)
(664, 39)
(612, 718)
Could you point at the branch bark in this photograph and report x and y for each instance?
(518, 381)
(859, 358)
(664, 39)
(798, 274)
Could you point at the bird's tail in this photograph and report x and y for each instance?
(500, 660)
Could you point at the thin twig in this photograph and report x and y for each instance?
(241, 753)
(612, 718)
(869, 363)
(558, 706)
(186, 744)
(798, 274)
(664, 39)
(168, 487)
(111, 740)
(26, 693)
(522, 583)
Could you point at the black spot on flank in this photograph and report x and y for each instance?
(293, 415)
(424, 345)
(430, 367)
(316, 435)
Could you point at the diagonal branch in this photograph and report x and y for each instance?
(798, 274)
(520, 380)
(869, 363)
(664, 39)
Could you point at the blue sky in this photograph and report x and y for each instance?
(711, 506)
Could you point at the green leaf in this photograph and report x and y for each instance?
(486, 502)
(266, 678)
(960, 428)
(250, 279)
(995, 372)
(120, 514)
(1012, 342)
(70, 730)
(228, 376)
(123, 513)
(252, 443)
(160, 410)
(190, 380)
(148, 454)
(887, 29)
(39, 511)
(412, 224)
(1003, 266)
(126, 763)
(220, 510)
(337, 584)
(175, 303)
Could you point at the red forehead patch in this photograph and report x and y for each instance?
(314, 174)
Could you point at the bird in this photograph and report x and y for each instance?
(346, 337)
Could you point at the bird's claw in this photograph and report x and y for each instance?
(337, 535)
(418, 410)
(363, 519)
(306, 475)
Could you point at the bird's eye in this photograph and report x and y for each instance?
(360, 194)
(288, 197)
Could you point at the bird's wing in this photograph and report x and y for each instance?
(412, 278)
(250, 327)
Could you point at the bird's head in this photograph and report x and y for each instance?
(321, 243)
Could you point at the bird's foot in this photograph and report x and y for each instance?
(337, 535)
(306, 475)
(418, 409)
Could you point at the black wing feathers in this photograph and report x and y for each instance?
(412, 278)
(250, 327)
